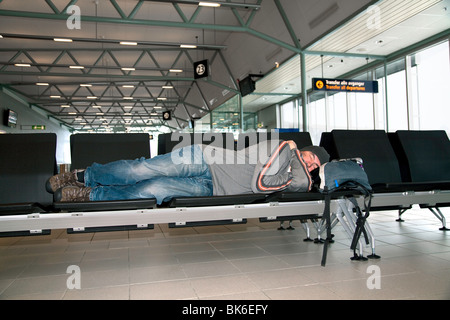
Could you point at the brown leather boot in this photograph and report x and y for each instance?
(62, 180)
(72, 194)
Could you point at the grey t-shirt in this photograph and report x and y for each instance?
(238, 172)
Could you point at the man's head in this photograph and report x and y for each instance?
(314, 156)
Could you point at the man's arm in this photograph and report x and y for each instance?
(301, 178)
(275, 175)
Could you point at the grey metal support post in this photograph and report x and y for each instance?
(304, 93)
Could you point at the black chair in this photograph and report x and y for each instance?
(167, 142)
(326, 141)
(373, 146)
(379, 160)
(26, 162)
(88, 148)
(171, 141)
(302, 139)
(398, 162)
(425, 154)
(425, 159)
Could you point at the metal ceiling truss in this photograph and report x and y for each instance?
(123, 18)
(99, 79)
(110, 77)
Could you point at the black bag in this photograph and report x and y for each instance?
(346, 174)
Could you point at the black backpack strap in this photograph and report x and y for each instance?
(327, 218)
(361, 219)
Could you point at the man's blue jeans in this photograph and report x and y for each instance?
(183, 172)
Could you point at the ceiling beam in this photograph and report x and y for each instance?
(156, 23)
(99, 76)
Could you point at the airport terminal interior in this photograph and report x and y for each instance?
(367, 76)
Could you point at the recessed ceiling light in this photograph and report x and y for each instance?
(209, 4)
(128, 43)
(62, 40)
(188, 46)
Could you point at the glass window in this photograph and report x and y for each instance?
(429, 87)
(337, 111)
(360, 110)
(226, 118)
(317, 116)
(289, 115)
(380, 106)
(397, 103)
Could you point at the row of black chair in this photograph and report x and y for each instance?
(28, 194)
(28, 160)
(169, 141)
(405, 160)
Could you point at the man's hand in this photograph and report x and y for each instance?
(292, 144)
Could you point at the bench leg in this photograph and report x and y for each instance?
(400, 212)
(437, 212)
(307, 230)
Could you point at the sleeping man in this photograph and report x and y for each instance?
(195, 170)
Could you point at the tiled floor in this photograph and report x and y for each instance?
(252, 261)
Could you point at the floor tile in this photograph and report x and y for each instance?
(255, 261)
(105, 293)
(162, 290)
(307, 292)
(209, 269)
(226, 285)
